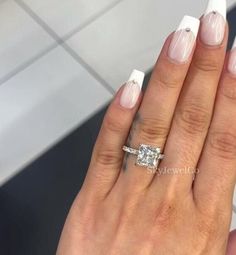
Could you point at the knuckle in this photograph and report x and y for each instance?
(166, 212)
(206, 65)
(166, 81)
(107, 157)
(152, 129)
(223, 144)
(193, 119)
(113, 124)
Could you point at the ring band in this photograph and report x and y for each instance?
(147, 156)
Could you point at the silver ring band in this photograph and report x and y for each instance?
(130, 150)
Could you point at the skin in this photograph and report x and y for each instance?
(190, 110)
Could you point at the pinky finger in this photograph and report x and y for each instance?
(107, 155)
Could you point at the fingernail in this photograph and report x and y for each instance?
(213, 23)
(132, 89)
(183, 40)
(232, 59)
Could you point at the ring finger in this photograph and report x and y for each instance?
(154, 117)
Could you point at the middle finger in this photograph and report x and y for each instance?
(195, 107)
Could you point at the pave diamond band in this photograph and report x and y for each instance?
(130, 150)
(147, 156)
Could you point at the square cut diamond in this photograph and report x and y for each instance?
(148, 156)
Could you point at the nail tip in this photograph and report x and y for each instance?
(190, 22)
(138, 76)
(219, 6)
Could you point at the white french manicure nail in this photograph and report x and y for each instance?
(184, 39)
(213, 23)
(232, 59)
(132, 89)
(217, 6)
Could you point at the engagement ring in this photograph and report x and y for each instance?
(147, 156)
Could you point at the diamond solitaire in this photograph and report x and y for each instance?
(147, 156)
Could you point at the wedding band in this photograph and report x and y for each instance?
(147, 156)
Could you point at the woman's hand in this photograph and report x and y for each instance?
(188, 110)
